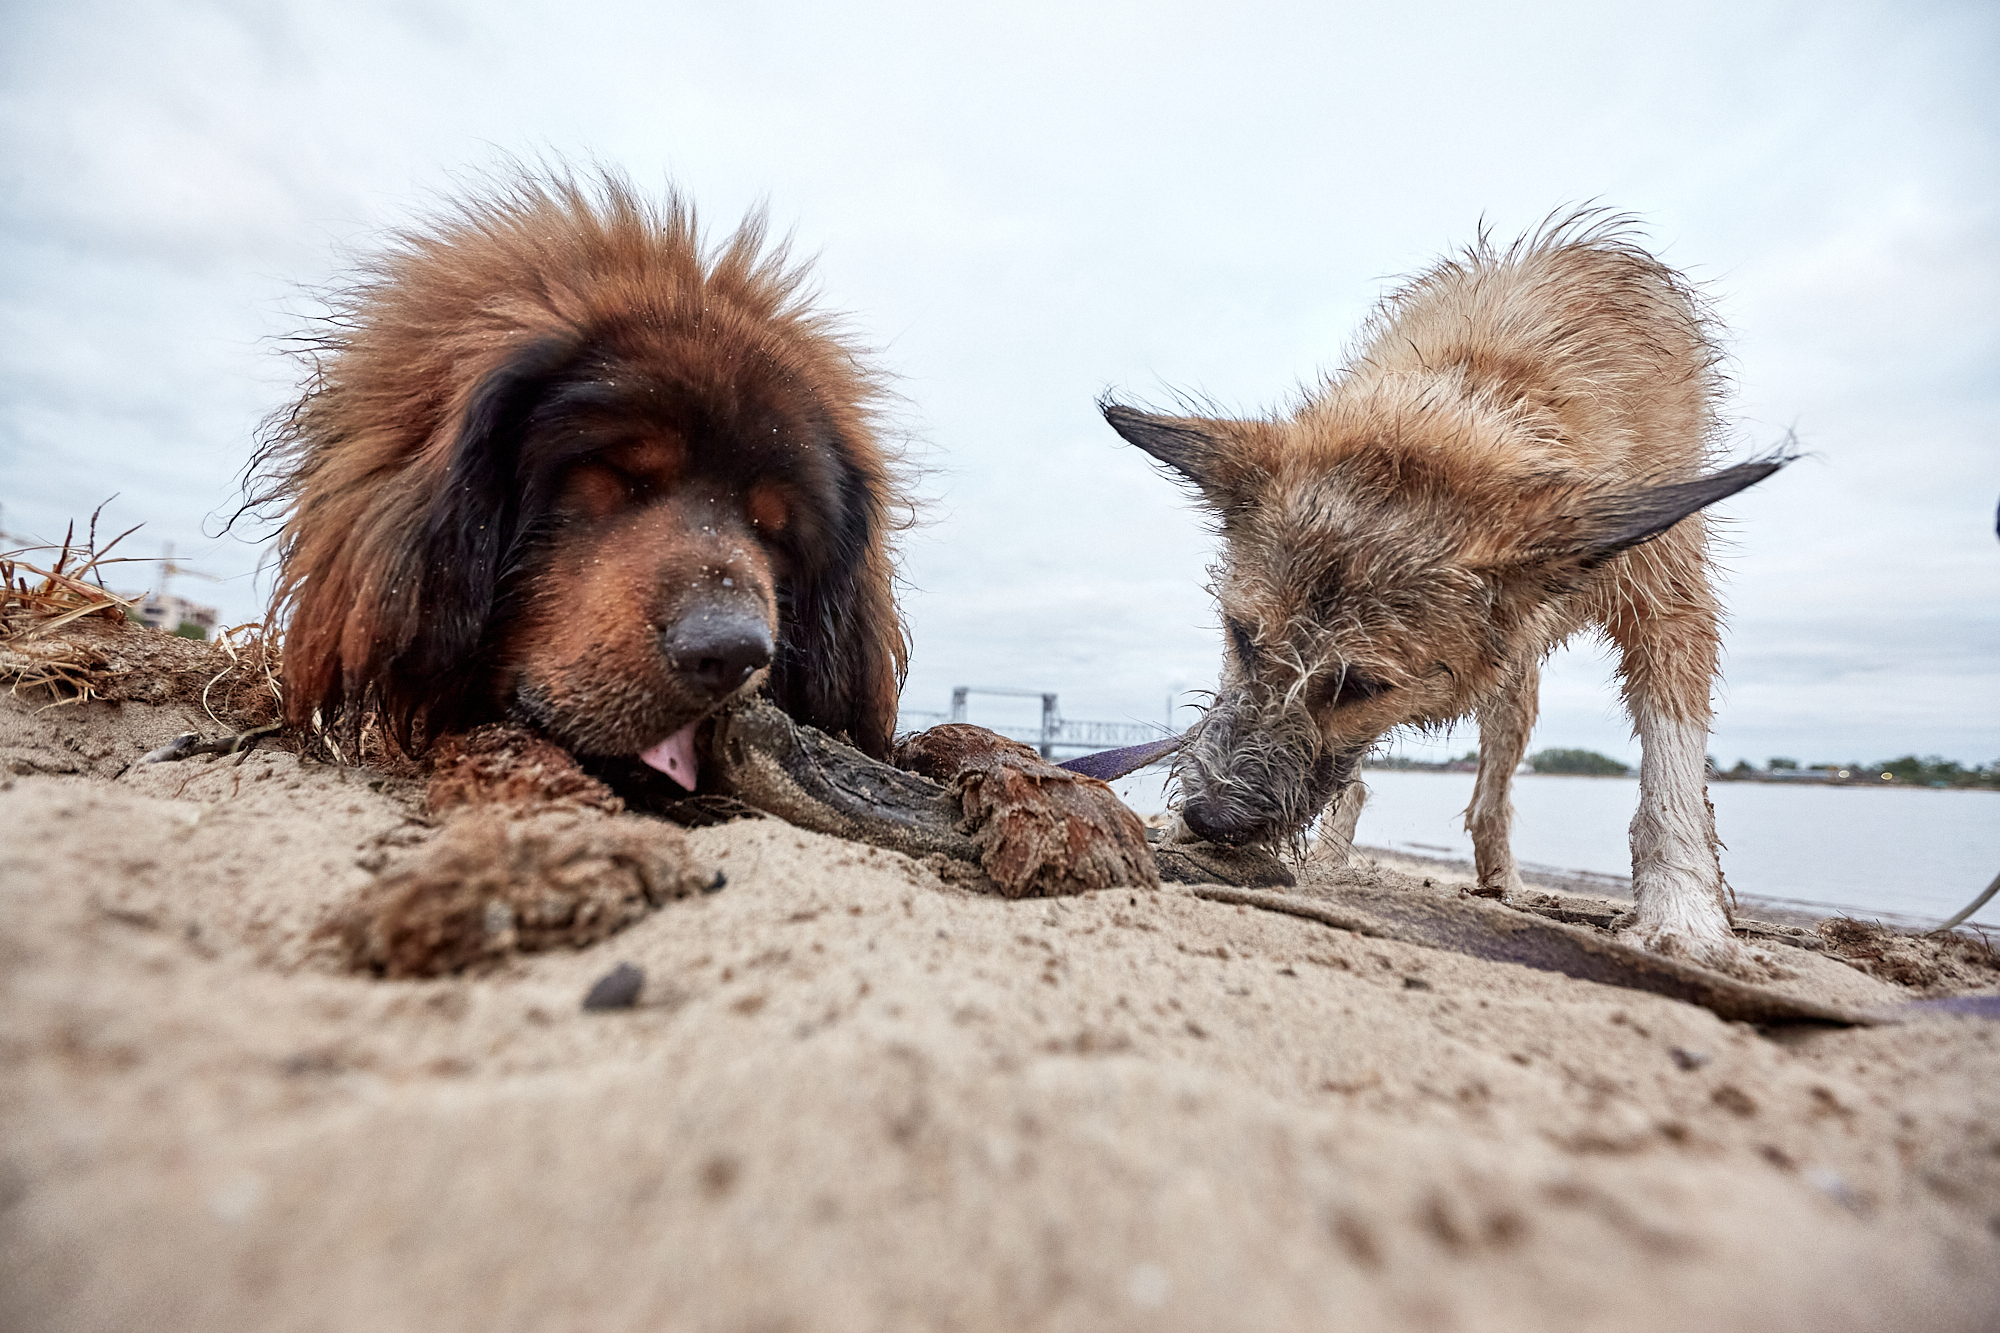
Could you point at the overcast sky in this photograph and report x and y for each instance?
(1026, 207)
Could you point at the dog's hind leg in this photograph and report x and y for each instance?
(1504, 723)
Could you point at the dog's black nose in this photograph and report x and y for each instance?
(1209, 824)
(716, 651)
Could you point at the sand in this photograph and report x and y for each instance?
(854, 1096)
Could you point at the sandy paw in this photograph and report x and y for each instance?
(489, 886)
(1721, 953)
(1041, 829)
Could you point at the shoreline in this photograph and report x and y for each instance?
(1558, 879)
(1765, 780)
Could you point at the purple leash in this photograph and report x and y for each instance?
(1108, 764)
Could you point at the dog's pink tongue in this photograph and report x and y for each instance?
(675, 757)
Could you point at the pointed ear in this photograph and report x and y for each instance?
(1194, 447)
(1630, 518)
(1569, 527)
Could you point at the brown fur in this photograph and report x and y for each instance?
(550, 431)
(508, 766)
(1513, 454)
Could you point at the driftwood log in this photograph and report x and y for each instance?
(1036, 830)
(1482, 929)
(972, 795)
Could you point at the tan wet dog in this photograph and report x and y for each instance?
(1514, 453)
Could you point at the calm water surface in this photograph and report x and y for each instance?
(1901, 853)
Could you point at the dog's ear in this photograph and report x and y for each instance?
(841, 663)
(1197, 448)
(864, 678)
(1631, 518)
(472, 529)
(1617, 522)
(842, 650)
(1580, 529)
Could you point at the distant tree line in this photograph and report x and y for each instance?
(1910, 771)
(1547, 761)
(1404, 764)
(1588, 763)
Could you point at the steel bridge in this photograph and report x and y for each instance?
(1055, 733)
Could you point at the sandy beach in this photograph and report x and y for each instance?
(852, 1095)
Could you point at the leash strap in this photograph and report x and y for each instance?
(1108, 764)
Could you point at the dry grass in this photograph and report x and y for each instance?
(63, 632)
(36, 601)
(249, 683)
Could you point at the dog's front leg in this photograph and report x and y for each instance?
(1505, 721)
(1667, 628)
(501, 764)
(1676, 875)
(1334, 847)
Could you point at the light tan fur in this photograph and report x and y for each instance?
(1513, 454)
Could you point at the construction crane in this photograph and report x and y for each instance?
(170, 568)
(162, 610)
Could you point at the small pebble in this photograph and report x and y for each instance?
(1688, 1059)
(616, 989)
(717, 884)
(1830, 1184)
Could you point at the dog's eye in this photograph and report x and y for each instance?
(1344, 688)
(598, 489)
(635, 485)
(770, 512)
(1246, 647)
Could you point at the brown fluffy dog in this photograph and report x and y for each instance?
(1513, 454)
(562, 465)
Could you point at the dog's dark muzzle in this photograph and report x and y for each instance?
(714, 650)
(1272, 810)
(1212, 821)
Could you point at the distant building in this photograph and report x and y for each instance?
(176, 615)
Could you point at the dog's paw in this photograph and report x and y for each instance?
(1717, 950)
(504, 765)
(1042, 830)
(492, 884)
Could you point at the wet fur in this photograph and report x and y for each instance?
(550, 426)
(1515, 452)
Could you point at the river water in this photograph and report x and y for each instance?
(1907, 855)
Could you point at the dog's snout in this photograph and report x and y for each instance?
(714, 652)
(1207, 822)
